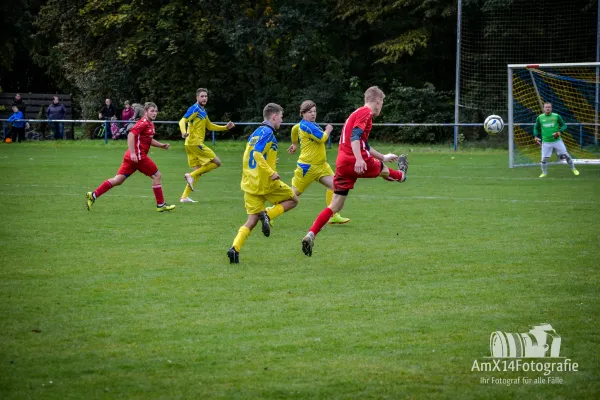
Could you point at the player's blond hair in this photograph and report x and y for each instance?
(271, 109)
(200, 90)
(306, 106)
(148, 105)
(373, 94)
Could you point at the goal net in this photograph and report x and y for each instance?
(497, 33)
(573, 91)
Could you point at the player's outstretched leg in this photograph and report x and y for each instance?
(266, 223)
(307, 243)
(234, 255)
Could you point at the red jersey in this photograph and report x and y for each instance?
(363, 119)
(143, 130)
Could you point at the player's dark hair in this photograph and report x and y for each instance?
(200, 90)
(271, 109)
(306, 106)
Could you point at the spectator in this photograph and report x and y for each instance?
(138, 111)
(107, 111)
(18, 127)
(56, 111)
(127, 113)
(18, 101)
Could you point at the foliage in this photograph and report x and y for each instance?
(405, 104)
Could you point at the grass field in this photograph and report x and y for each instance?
(125, 302)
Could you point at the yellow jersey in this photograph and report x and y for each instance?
(260, 162)
(197, 121)
(312, 142)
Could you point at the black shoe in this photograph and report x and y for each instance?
(307, 244)
(403, 166)
(266, 223)
(234, 256)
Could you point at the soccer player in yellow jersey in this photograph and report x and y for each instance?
(193, 128)
(260, 180)
(312, 163)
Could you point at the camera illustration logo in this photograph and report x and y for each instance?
(541, 341)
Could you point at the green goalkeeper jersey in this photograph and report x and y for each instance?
(548, 124)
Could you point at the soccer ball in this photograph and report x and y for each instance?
(493, 124)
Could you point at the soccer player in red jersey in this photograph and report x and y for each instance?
(139, 140)
(356, 159)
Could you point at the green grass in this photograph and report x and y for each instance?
(124, 302)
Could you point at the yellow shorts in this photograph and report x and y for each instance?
(305, 174)
(199, 155)
(255, 203)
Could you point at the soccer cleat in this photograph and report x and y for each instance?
(270, 220)
(89, 200)
(575, 172)
(307, 243)
(165, 207)
(234, 256)
(403, 166)
(187, 200)
(337, 219)
(190, 181)
(543, 175)
(266, 223)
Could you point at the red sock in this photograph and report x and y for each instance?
(321, 220)
(105, 187)
(397, 175)
(160, 199)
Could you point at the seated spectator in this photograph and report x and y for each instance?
(18, 127)
(56, 111)
(107, 111)
(18, 101)
(138, 111)
(127, 113)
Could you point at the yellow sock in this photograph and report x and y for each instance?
(329, 197)
(275, 211)
(239, 240)
(204, 169)
(187, 190)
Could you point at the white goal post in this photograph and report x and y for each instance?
(573, 90)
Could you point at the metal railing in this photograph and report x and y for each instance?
(107, 123)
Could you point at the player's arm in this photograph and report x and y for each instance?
(183, 127)
(214, 127)
(382, 157)
(263, 165)
(294, 145)
(561, 124)
(537, 130)
(156, 143)
(315, 132)
(360, 165)
(131, 146)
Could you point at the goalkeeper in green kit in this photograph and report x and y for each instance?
(548, 130)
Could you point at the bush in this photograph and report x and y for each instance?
(404, 104)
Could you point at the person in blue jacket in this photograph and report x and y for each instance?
(18, 125)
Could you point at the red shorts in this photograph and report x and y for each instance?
(146, 166)
(345, 176)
